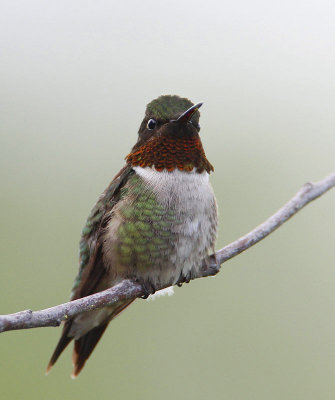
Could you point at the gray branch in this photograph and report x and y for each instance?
(130, 290)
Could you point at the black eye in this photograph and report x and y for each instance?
(151, 124)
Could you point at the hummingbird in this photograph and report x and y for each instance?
(155, 223)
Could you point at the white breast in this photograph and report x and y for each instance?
(177, 185)
(191, 195)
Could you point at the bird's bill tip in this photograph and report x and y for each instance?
(187, 115)
(47, 371)
(198, 105)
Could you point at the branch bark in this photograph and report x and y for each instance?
(129, 290)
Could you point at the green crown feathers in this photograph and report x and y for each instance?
(170, 107)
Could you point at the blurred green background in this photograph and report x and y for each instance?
(75, 79)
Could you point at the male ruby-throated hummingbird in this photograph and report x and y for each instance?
(155, 223)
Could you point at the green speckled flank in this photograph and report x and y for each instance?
(144, 235)
(169, 107)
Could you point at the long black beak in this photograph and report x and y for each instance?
(187, 115)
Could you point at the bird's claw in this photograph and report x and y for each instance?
(148, 288)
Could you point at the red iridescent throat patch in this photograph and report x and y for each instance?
(171, 153)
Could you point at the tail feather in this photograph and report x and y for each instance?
(63, 342)
(84, 346)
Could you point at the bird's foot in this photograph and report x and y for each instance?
(148, 288)
(184, 279)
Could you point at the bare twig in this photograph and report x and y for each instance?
(309, 192)
(128, 289)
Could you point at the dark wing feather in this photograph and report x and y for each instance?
(92, 269)
(90, 252)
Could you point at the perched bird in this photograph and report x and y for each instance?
(155, 223)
